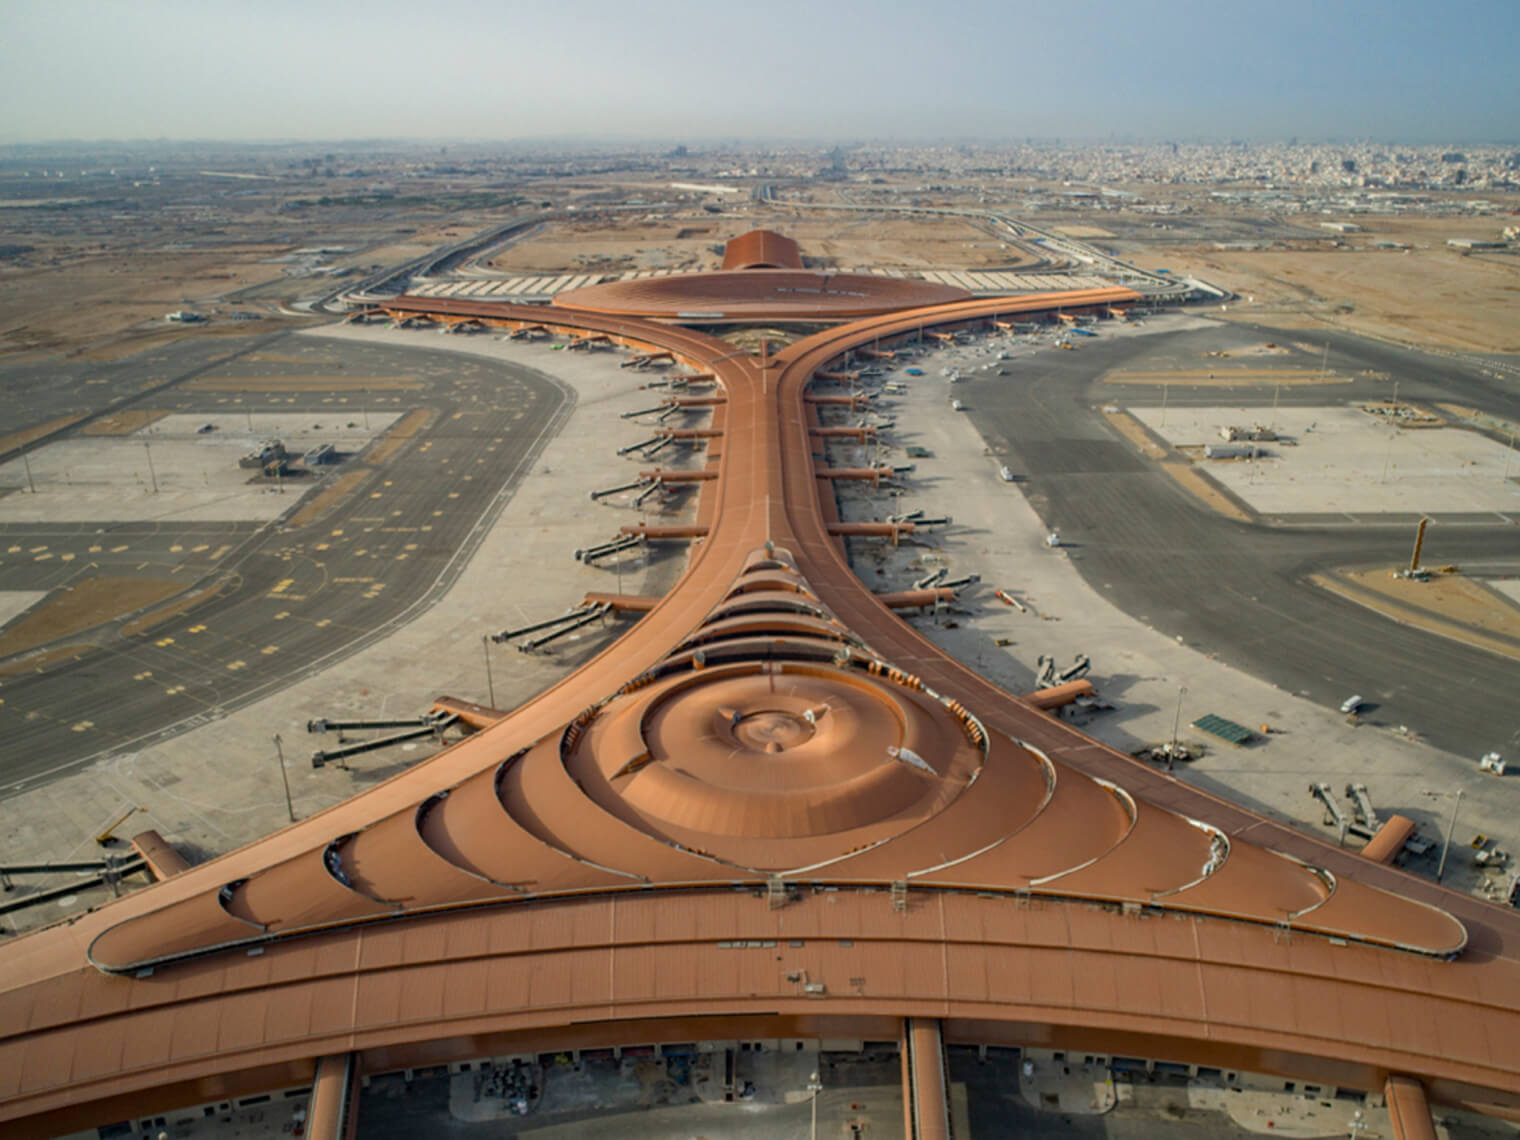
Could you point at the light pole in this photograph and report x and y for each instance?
(815, 1086)
(1171, 752)
(1451, 826)
(32, 487)
(153, 475)
(485, 644)
(284, 778)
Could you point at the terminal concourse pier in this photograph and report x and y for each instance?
(772, 810)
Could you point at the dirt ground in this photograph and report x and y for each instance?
(1447, 604)
(692, 243)
(84, 605)
(1429, 294)
(15, 439)
(1180, 470)
(423, 241)
(68, 305)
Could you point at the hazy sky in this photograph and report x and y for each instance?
(1414, 70)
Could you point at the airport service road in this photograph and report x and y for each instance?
(1238, 590)
(300, 596)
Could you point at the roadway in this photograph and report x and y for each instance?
(1239, 590)
(298, 597)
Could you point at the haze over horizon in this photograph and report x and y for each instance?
(466, 69)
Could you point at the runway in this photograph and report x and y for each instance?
(1239, 590)
(294, 598)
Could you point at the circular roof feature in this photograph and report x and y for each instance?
(774, 294)
(743, 762)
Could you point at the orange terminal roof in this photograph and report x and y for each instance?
(767, 726)
(757, 294)
(762, 249)
(762, 278)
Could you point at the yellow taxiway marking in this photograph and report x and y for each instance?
(95, 549)
(17, 549)
(375, 495)
(282, 615)
(427, 527)
(411, 546)
(401, 558)
(235, 665)
(172, 689)
(337, 532)
(143, 676)
(268, 649)
(324, 623)
(320, 546)
(83, 725)
(42, 558)
(201, 547)
(66, 558)
(220, 551)
(37, 549)
(176, 548)
(453, 494)
(163, 642)
(118, 549)
(197, 629)
(283, 585)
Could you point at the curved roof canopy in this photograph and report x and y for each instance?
(762, 249)
(741, 294)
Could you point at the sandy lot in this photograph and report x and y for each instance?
(1430, 294)
(840, 241)
(84, 605)
(13, 602)
(63, 307)
(1448, 605)
(1349, 461)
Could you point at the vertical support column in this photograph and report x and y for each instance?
(334, 1111)
(926, 1105)
(1408, 1110)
